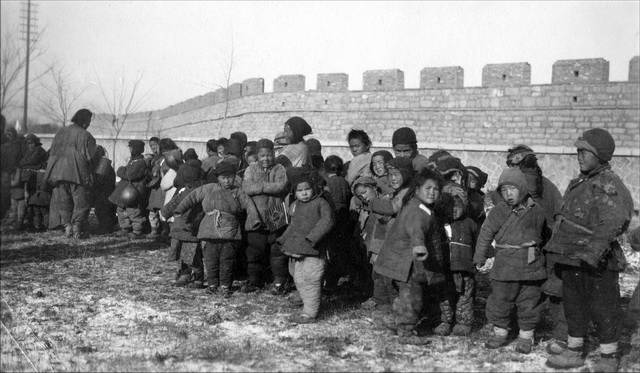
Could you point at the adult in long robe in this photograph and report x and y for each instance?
(70, 172)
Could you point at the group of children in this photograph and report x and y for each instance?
(411, 230)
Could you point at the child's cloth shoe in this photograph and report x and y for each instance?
(196, 285)
(301, 318)
(122, 232)
(183, 280)
(567, 359)
(276, 289)
(608, 363)
(444, 329)
(556, 347)
(496, 341)
(224, 291)
(461, 330)
(524, 345)
(249, 288)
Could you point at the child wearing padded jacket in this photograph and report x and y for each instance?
(519, 227)
(224, 205)
(304, 242)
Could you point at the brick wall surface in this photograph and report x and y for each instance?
(506, 74)
(442, 77)
(595, 70)
(382, 80)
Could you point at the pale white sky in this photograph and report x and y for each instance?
(180, 45)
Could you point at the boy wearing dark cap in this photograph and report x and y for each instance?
(597, 207)
(224, 205)
(405, 145)
(131, 215)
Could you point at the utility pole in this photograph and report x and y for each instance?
(28, 14)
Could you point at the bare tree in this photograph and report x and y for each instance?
(61, 94)
(13, 62)
(124, 100)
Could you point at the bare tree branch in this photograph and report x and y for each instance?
(13, 61)
(125, 100)
(61, 93)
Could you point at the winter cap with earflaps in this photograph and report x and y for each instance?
(403, 135)
(599, 142)
(513, 176)
(518, 153)
(481, 176)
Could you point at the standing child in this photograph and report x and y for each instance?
(519, 228)
(266, 184)
(34, 160)
(462, 234)
(303, 241)
(411, 258)
(359, 144)
(104, 184)
(224, 205)
(477, 180)
(130, 212)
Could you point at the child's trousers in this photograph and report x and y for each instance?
(260, 253)
(506, 295)
(220, 260)
(131, 218)
(308, 273)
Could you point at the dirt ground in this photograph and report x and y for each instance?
(107, 304)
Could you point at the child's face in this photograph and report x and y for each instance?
(428, 192)
(458, 211)
(252, 159)
(304, 192)
(265, 157)
(511, 194)
(226, 180)
(154, 147)
(404, 150)
(379, 167)
(357, 147)
(222, 150)
(473, 183)
(395, 178)
(365, 193)
(31, 145)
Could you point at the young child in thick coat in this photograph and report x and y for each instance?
(304, 242)
(132, 214)
(359, 144)
(185, 245)
(519, 227)
(266, 183)
(412, 255)
(462, 234)
(225, 206)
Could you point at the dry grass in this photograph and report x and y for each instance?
(106, 304)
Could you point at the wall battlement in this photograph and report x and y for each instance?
(469, 120)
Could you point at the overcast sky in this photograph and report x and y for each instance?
(179, 47)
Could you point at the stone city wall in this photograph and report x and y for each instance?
(477, 124)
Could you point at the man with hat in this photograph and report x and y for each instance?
(70, 171)
(405, 145)
(132, 206)
(597, 208)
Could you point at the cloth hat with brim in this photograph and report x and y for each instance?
(513, 176)
(599, 142)
(226, 168)
(365, 181)
(404, 135)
